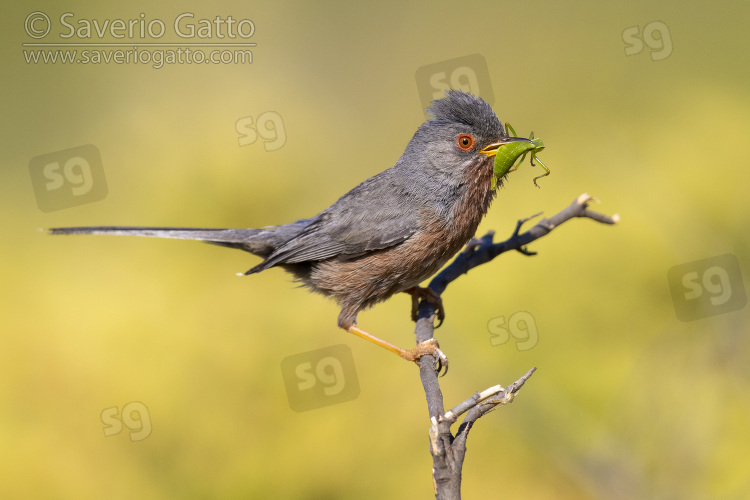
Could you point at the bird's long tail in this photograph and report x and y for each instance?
(258, 241)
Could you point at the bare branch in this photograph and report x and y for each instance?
(448, 451)
(481, 251)
(492, 397)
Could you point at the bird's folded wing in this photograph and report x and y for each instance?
(323, 240)
(360, 222)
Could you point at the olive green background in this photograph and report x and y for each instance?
(628, 401)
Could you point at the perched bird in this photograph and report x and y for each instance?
(389, 233)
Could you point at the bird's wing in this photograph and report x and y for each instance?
(365, 219)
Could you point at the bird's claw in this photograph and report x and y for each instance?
(429, 295)
(429, 347)
(441, 360)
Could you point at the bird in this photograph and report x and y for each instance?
(389, 233)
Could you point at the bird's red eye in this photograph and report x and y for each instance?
(465, 142)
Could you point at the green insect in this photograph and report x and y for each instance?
(507, 152)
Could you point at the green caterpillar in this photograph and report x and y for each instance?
(507, 153)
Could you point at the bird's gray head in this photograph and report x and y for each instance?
(463, 133)
(459, 109)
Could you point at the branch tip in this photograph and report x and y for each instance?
(527, 219)
(516, 386)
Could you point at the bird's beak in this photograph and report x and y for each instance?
(491, 150)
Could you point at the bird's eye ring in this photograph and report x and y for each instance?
(465, 142)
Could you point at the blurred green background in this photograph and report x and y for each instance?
(628, 401)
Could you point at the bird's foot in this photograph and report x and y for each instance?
(428, 348)
(429, 295)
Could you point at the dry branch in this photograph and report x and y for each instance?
(448, 450)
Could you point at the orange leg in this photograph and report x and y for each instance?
(428, 347)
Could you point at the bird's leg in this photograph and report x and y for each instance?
(429, 295)
(428, 347)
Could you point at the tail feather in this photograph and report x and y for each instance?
(244, 239)
(185, 233)
(261, 242)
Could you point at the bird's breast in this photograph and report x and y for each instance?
(444, 228)
(445, 231)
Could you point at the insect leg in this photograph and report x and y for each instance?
(515, 167)
(546, 170)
